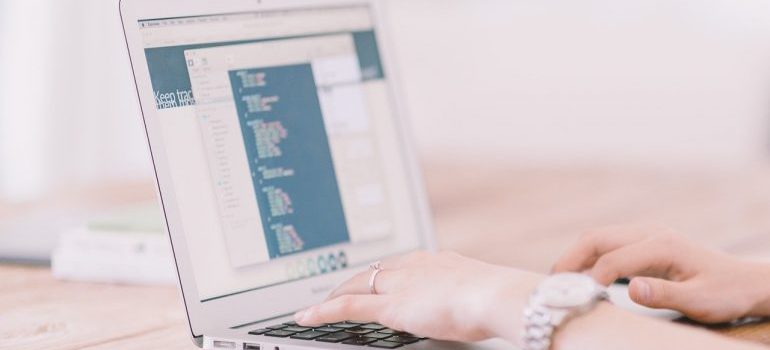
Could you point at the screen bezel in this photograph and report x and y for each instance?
(260, 304)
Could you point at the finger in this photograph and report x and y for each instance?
(401, 261)
(409, 260)
(366, 308)
(592, 245)
(386, 282)
(647, 258)
(359, 284)
(659, 294)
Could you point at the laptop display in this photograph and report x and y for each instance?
(280, 133)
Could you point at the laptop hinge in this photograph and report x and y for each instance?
(198, 341)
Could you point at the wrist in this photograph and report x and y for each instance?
(580, 332)
(760, 293)
(505, 310)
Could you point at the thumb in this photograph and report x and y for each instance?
(657, 293)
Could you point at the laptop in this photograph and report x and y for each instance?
(283, 166)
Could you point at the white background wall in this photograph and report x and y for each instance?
(662, 81)
(26, 41)
(637, 81)
(68, 111)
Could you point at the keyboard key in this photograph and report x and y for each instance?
(389, 331)
(379, 335)
(278, 326)
(403, 339)
(295, 329)
(343, 325)
(395, 332)
(406, 334)
(373, 326)
(335, 337)
(359, 331)
(260, 331)
(291, 323)
(309, 335)
(279, 333)
(360, 341)
(328, 329)
(382, 344)
(356, 322)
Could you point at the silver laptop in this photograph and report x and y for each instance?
(282, 162)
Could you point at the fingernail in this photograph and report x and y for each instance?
(645, 292)
(299, 316)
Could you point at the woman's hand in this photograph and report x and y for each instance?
(445, 296)
(442, 296)
(670, 272)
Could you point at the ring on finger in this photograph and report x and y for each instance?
(375, 268)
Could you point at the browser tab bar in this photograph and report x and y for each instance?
(252, 25)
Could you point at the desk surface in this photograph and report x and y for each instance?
(523, 217)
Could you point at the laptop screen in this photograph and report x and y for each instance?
(284, 155)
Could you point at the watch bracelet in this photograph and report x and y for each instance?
(538, 328)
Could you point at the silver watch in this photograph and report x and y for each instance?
(556, 300)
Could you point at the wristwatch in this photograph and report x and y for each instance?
(558, 299)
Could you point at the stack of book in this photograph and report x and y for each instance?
(129, 247)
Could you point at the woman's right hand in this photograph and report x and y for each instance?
(670, 272)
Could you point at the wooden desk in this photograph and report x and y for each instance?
(521, 217)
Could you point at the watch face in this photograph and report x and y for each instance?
(567, 290)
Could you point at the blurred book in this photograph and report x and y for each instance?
(129, 247)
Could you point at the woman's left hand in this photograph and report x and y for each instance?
(437, 295)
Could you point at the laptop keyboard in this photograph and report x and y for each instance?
(349, 333)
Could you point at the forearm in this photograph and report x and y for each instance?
(608, 327)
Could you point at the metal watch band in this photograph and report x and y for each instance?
(537, 328)
(541, 321)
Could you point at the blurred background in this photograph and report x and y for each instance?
(532, 118)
